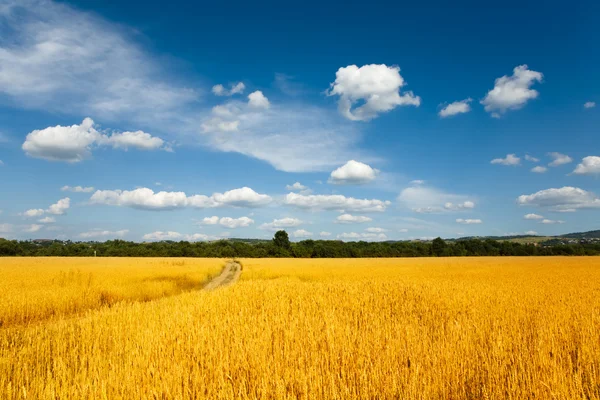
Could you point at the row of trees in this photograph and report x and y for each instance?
(281, 246)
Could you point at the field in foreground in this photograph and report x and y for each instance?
(314, 329)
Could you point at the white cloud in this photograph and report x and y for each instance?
(176, 236)
(378, 86)
(97, 233)
(512, 92)
(531, 158)
(428, 200)
(258, 100)
(589, 104)
(282, 223)
(532, 233)
(375, 230)
(468, 221)
(550, 221)
(362, 236)
(353, 173)
(60, 207)
(219, 90)
(458, 107)
(62, 59)
(510, 159)
(335, 202)
(565, 199)
(352, 219)
(296, 187)
(74, 143)
(77, 189)
(539, 169)
(47, 220)
(301, 233)
(559, 159)
(589, 165)
(533, 216)
(32, 228)
(324, 234)
(210, 220)
(6, 228)
(233, 223)
(34, 212)
(145, 198)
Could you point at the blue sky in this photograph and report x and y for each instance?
(149, 121)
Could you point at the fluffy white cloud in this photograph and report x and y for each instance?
(531, 158)
(563, 199)
(324, 234)
(214, 220)
(378, 86)
(532, 233)
(296, 187)
(34, 212)
(510, 159)
(74, 143)
(458, 107)
(375, 230)
(77, 189)
(512, 92)
(428, 200)
(589, 104)
(47, 220)
(362, 236)
(97, 233)
(533, 216)
(233, 223)
(353, 173)
(335, 202)
(559, 159)
(551, 221)
(220, 90)
(145, 198)
(60, 207)
(282, 223)
(258, 100)
(301, 233)
(468, 221)
(32, 228)
(589, 165)
(352, 219)
(539, 169)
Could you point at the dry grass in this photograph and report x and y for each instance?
(498, 328)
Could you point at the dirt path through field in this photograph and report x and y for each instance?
(231, 273)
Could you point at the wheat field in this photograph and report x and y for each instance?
(423, 328)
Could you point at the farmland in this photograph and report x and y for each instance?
(301, 328)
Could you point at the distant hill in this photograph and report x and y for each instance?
(583, 235)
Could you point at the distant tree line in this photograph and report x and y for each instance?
(281, 246)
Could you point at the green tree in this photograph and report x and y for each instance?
(282, 240)
(438, 246)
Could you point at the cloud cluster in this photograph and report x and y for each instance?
(589, 165)
(176, 236)
(565, 199)
(362, 236)
(58, 208)
(100, 234)
(77, 189)
(238, 88)
(302, 233)
(428, 200)
(512, 92)
(336, 202)
(469, 221)
(559, 159)
(144, 198)
(353, 173)
(377, 86)
(74, 143)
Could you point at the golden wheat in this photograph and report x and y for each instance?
(497, 328)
